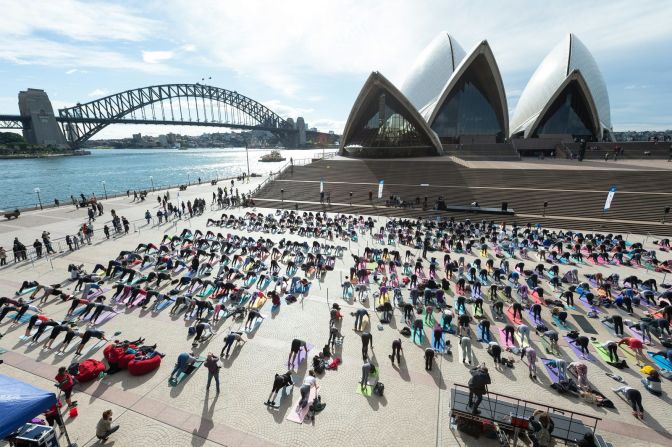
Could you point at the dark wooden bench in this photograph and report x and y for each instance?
(12, 214)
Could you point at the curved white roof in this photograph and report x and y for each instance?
(432, 69)
(374, 84)
(431, 111)
(570, 56)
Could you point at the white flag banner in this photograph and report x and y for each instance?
(380, 189)
(610, 197)
(321, 185)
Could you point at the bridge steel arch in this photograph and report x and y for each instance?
(83, 121)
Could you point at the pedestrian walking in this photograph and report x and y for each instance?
(213, 365)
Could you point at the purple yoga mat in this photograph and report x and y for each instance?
(552, 372)
(635, 333)
(301, 356)
(585, 304)
(105, 317)
(502, 337)
(577, 350)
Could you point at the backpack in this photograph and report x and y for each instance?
(541, 327)
(73, 369)
(543, 436)
(379, 389)
(405, 331)
(191, 330)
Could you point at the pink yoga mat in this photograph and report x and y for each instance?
(502, 337)
(509, 314)
(301, 356)
(298, 414)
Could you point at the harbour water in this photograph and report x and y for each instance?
(123, 169)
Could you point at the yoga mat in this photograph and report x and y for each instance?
(552, 372)
(138, 299)
(530, 313)
(163, 304)
(255, 325)
(610, 328)
(301, 356)
(259, 303)
(547, 345)
(577, 350)
(488, 334)
(601, 350)
(97, 293)
(585, 304)
(559, 323)
(367, 391)
(179, 377)
(298, 414)
(660, 361)
(635, 333)
(206, 292)
(105, 317)
(24, 319)
(92, 348)
(429, 324)
(584, 324)
(535, 297)
(502, 337)
(442, 343)
(628, 352)
(3, 350)
(27, 291)
(509, 314)
(519, 339)
(477, 312)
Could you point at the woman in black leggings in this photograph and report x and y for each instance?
(634, 398)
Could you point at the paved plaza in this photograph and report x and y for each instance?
(414, 410)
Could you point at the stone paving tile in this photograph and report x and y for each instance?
(413, 411)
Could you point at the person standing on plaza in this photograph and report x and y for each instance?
(66, 383)
(104, 427)
(37, 245)
(3, 256)
(47, 242)
(213, 364)
(480, 379)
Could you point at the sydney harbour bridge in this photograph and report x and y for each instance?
(168, 104)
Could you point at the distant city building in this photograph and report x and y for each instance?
(163, 140)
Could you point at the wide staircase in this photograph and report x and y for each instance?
(575, 197)
(482, 151)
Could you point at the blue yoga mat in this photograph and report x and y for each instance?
(442, 343)
(661, 361)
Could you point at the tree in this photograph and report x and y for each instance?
(11, 138)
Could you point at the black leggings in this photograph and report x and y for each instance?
(635, 399)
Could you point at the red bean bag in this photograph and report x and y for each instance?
(142, 367)
(89, 370)
(118, 355)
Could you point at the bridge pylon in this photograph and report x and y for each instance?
(41, 126)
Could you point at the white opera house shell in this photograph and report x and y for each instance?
(450, 97)
(566, 95)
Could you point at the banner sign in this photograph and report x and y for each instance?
(321, 185)
(610, 197)
(380, 189)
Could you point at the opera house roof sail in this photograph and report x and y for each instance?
(384, 119)
(473, 101)
(565, 95)
(432, 70)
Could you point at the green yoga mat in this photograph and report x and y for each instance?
(601, 351)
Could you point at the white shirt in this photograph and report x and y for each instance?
(310, 381)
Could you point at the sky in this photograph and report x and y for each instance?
(310, 58)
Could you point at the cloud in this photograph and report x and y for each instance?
(286, 111)
(98, 93)
(38, 51)
(354, 37)
(636, 86)
(74, 19)
(155, 57)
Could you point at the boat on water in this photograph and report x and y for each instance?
(274, 156)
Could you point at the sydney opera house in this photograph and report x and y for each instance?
(451, 97)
